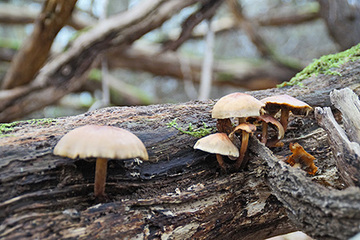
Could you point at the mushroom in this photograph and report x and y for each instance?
(102, 142)
(265, 121)
(246, 129)
(285, 103)
(300, 156)
(220, 144)
(237, 105)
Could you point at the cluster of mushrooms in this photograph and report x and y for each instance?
(239, 115)
(107, 142)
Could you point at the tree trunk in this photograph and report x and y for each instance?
(342, 18)
(181, 192)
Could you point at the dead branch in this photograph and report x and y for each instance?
(249, 28)
(68, 71)
(206, 11)
(149, 59)
(347, 148)
(320, 212)
(36, 49)
(247, 75)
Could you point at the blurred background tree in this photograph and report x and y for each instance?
(225, 46)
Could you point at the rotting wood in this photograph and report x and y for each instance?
(320, 212)
(345, 144)
(348, 103)
(181, 193)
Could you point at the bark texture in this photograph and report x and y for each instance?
(181, 193)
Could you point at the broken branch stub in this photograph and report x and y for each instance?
(344, 143)
(320, 212)
(348, 103)
(346, 153)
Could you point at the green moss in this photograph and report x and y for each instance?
(325, 65)
(195, 132)
(6, 128)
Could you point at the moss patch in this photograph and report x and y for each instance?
(325, 65)
(195, 132)
(6, 128)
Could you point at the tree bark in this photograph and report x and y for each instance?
(180, 192)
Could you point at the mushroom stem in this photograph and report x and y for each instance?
(284, 117)
(100, 177)
(220, 160)
(264, 134)
(224, 125)
(244, 145)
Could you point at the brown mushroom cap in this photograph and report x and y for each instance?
(236, 105)
(247, 127)
(100, 141)
(269, 119)
(218, 143)
(274, 103)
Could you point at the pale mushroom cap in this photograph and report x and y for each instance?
(100, 141)
(237, 105)
(218, 143)
(292, 103)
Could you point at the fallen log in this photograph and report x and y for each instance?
(180, 192)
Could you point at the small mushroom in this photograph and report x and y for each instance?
(102, 142)
(300, 156)
(235, 105)
(285, 103)
(220, 144)
(265, 120)
(246, 129)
